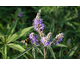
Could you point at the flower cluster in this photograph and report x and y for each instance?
(38, 23)
(34, 38)
(59, 38)
(39, 27)
(46, 39)
(20, 13)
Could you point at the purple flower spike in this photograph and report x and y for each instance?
(44, 41)
(20, 14)
(33, 37)
(59, 37)
(38, 25)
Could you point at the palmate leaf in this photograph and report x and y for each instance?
(18, 34)
(23, 53)
(17, 47)
(52, 52)
(71, 52)
(11, 30)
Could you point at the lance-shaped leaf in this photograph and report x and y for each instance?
(11, 30)
(52, 52)
(71, 52)
(39, 51)
(61, 45)
(23, 52)
(33, 52)
(19, 34)
(17, 47)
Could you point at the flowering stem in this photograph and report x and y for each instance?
(44, 54)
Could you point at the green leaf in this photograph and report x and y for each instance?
(39, 51)
(5, 52)
(16, 46)
(76, 23)
(60, 45)
(11, 30)
(33, 52)
(1, 35)
(1, 42)
(70, 24)
(61, 53)
(23, 53)
(19, 34)
(71, 52)
(52, 52)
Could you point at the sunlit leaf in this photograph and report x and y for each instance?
(33, 52)
(19, 34)
(17, 47)
(60, 45)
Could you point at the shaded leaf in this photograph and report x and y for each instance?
(70, 24)
(11, 30)
(23, 52)
(71, 52)
(39, 51)
(52, 52)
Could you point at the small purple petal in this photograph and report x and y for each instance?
(57, 42)
(33, 38)
(20, 15)
(60, 39)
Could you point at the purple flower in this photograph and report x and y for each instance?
(33, 38)
(44, 41)
(38, 25)
(59, 38)
(20, 14)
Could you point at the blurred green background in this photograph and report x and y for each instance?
(57, 19)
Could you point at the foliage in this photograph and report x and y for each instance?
(56, 19)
